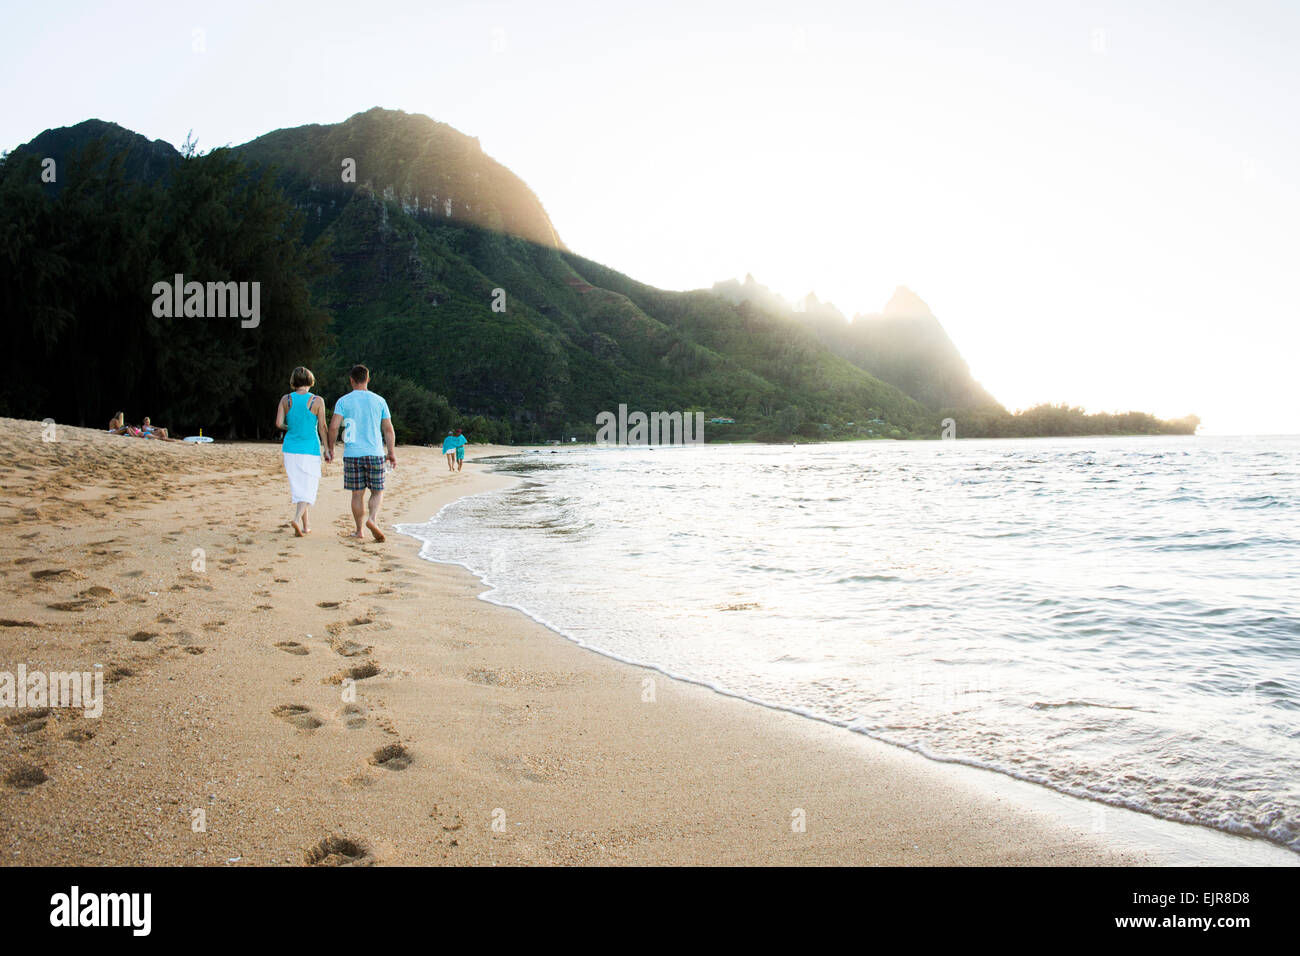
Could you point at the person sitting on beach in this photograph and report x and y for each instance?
(301, 416)
(368, 440)
(461, 442)
(449, 449)
(117, 425)
(149, 431)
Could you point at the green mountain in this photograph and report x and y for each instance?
(142, 160)
(904, 344)
(432, 228)
(424, 166)
(393, 240)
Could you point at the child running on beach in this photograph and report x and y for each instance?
(368, 440)
(301, 416)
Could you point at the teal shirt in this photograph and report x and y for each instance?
(302, 437)
(448, 444)
(362, 412)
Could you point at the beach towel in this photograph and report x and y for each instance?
(304, 476)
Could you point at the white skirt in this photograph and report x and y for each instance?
(304, 476)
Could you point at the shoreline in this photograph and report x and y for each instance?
(1163, 842)
(475, 735)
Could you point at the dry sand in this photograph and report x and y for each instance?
(481, 737)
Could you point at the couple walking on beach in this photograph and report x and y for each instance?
(368, 440)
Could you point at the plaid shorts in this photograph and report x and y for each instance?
(363, 471)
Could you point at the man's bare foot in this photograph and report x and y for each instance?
(297, 531)
(374, 529)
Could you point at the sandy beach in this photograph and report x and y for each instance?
(231, 651)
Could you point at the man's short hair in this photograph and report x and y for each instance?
(359, 373)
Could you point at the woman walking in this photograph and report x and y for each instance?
(301, 416)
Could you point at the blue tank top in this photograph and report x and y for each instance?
(301, 438)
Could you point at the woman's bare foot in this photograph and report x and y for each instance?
(374, 529)
(297, 531)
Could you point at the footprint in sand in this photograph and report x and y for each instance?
(391, 757)
(141, 636)
(327, 604)
(356, 672)
(348, 648)
(28, 721)
(58, 574)
(449, 820)
(25, 776)
(354, 716)
(292, 647)
(91, 597)
(116, 673)
(297, 714)
(338, 851)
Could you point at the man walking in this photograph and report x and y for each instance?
(368, 439)
(461, 442)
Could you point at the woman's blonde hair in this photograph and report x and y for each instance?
(302, 377)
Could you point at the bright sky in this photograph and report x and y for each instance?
(1098, 199)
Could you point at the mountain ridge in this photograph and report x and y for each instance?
(441, 269)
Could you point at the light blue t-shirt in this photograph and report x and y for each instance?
(448, 444)
(362, 412)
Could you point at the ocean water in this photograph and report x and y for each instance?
(1118, 618)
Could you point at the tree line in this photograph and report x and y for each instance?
(82, 246)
